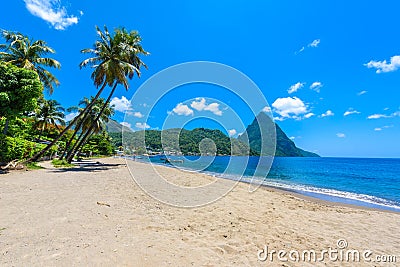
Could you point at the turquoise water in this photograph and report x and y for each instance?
(359, 181)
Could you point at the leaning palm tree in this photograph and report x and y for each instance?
(25, 53)
(84, 122)
(92, 125)
(49, 112)
(114, 58)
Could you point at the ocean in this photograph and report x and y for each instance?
(358, 181)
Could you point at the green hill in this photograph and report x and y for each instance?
(205, 141)
(188, 142)
(284, 146)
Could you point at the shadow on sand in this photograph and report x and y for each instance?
(88, 166)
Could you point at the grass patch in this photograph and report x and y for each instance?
(33, 166)
(61, 163)
(1, 229)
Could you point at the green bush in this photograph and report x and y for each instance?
(17, 148)
(99, 144)
(58, 163)
(33, 166)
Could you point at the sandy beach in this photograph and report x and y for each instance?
(97, 216)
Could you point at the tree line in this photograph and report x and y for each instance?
(34, 127)
(199, 141)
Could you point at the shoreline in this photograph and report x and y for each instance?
(97, 215)
(313, 196)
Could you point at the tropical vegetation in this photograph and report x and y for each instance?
(50, 112)
(23, 52)
(33, 127)
(115, 58)
(199, 141)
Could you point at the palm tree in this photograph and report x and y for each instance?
(115, 59)
(93, 126)
(84, 122)
(29, 54)
(50, 112)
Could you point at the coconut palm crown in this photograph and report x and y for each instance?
(25, 53)
(50, 112)
(115, 57)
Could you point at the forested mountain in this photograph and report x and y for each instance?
(205, 141)
(188, 142)
(284, 146)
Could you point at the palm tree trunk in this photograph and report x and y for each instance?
(40, 134)
(85, 139)
(6, 126)
(78, 126)
(37, 156)
(78, 145)
(80, 138)
(41, 131)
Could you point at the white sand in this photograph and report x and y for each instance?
(55, 217)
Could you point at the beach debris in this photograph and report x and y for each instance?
(13, 165)
(103, 204)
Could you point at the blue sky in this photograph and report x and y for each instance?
(328, 69)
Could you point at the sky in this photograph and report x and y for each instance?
(329, 70)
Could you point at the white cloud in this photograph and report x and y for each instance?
(232, 132)
(295, 87)
(142, 125)
(279, 118)
(395, 114)
(377, 116)
(351, 111)
(138, 114)
(316, 86)
(182, 109)
(121, 104)
(71, 116)
(383, 66)
(309, 115)
(200, 104)
(362, 92)
(328, 113)
(314, 43)
(214, 108)
(301, 50)
(384, 127)
(341, 135)
(51, 11)
(292, 138)
(289, 107)
(126, 124)
(386, 109)
(267, 109)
